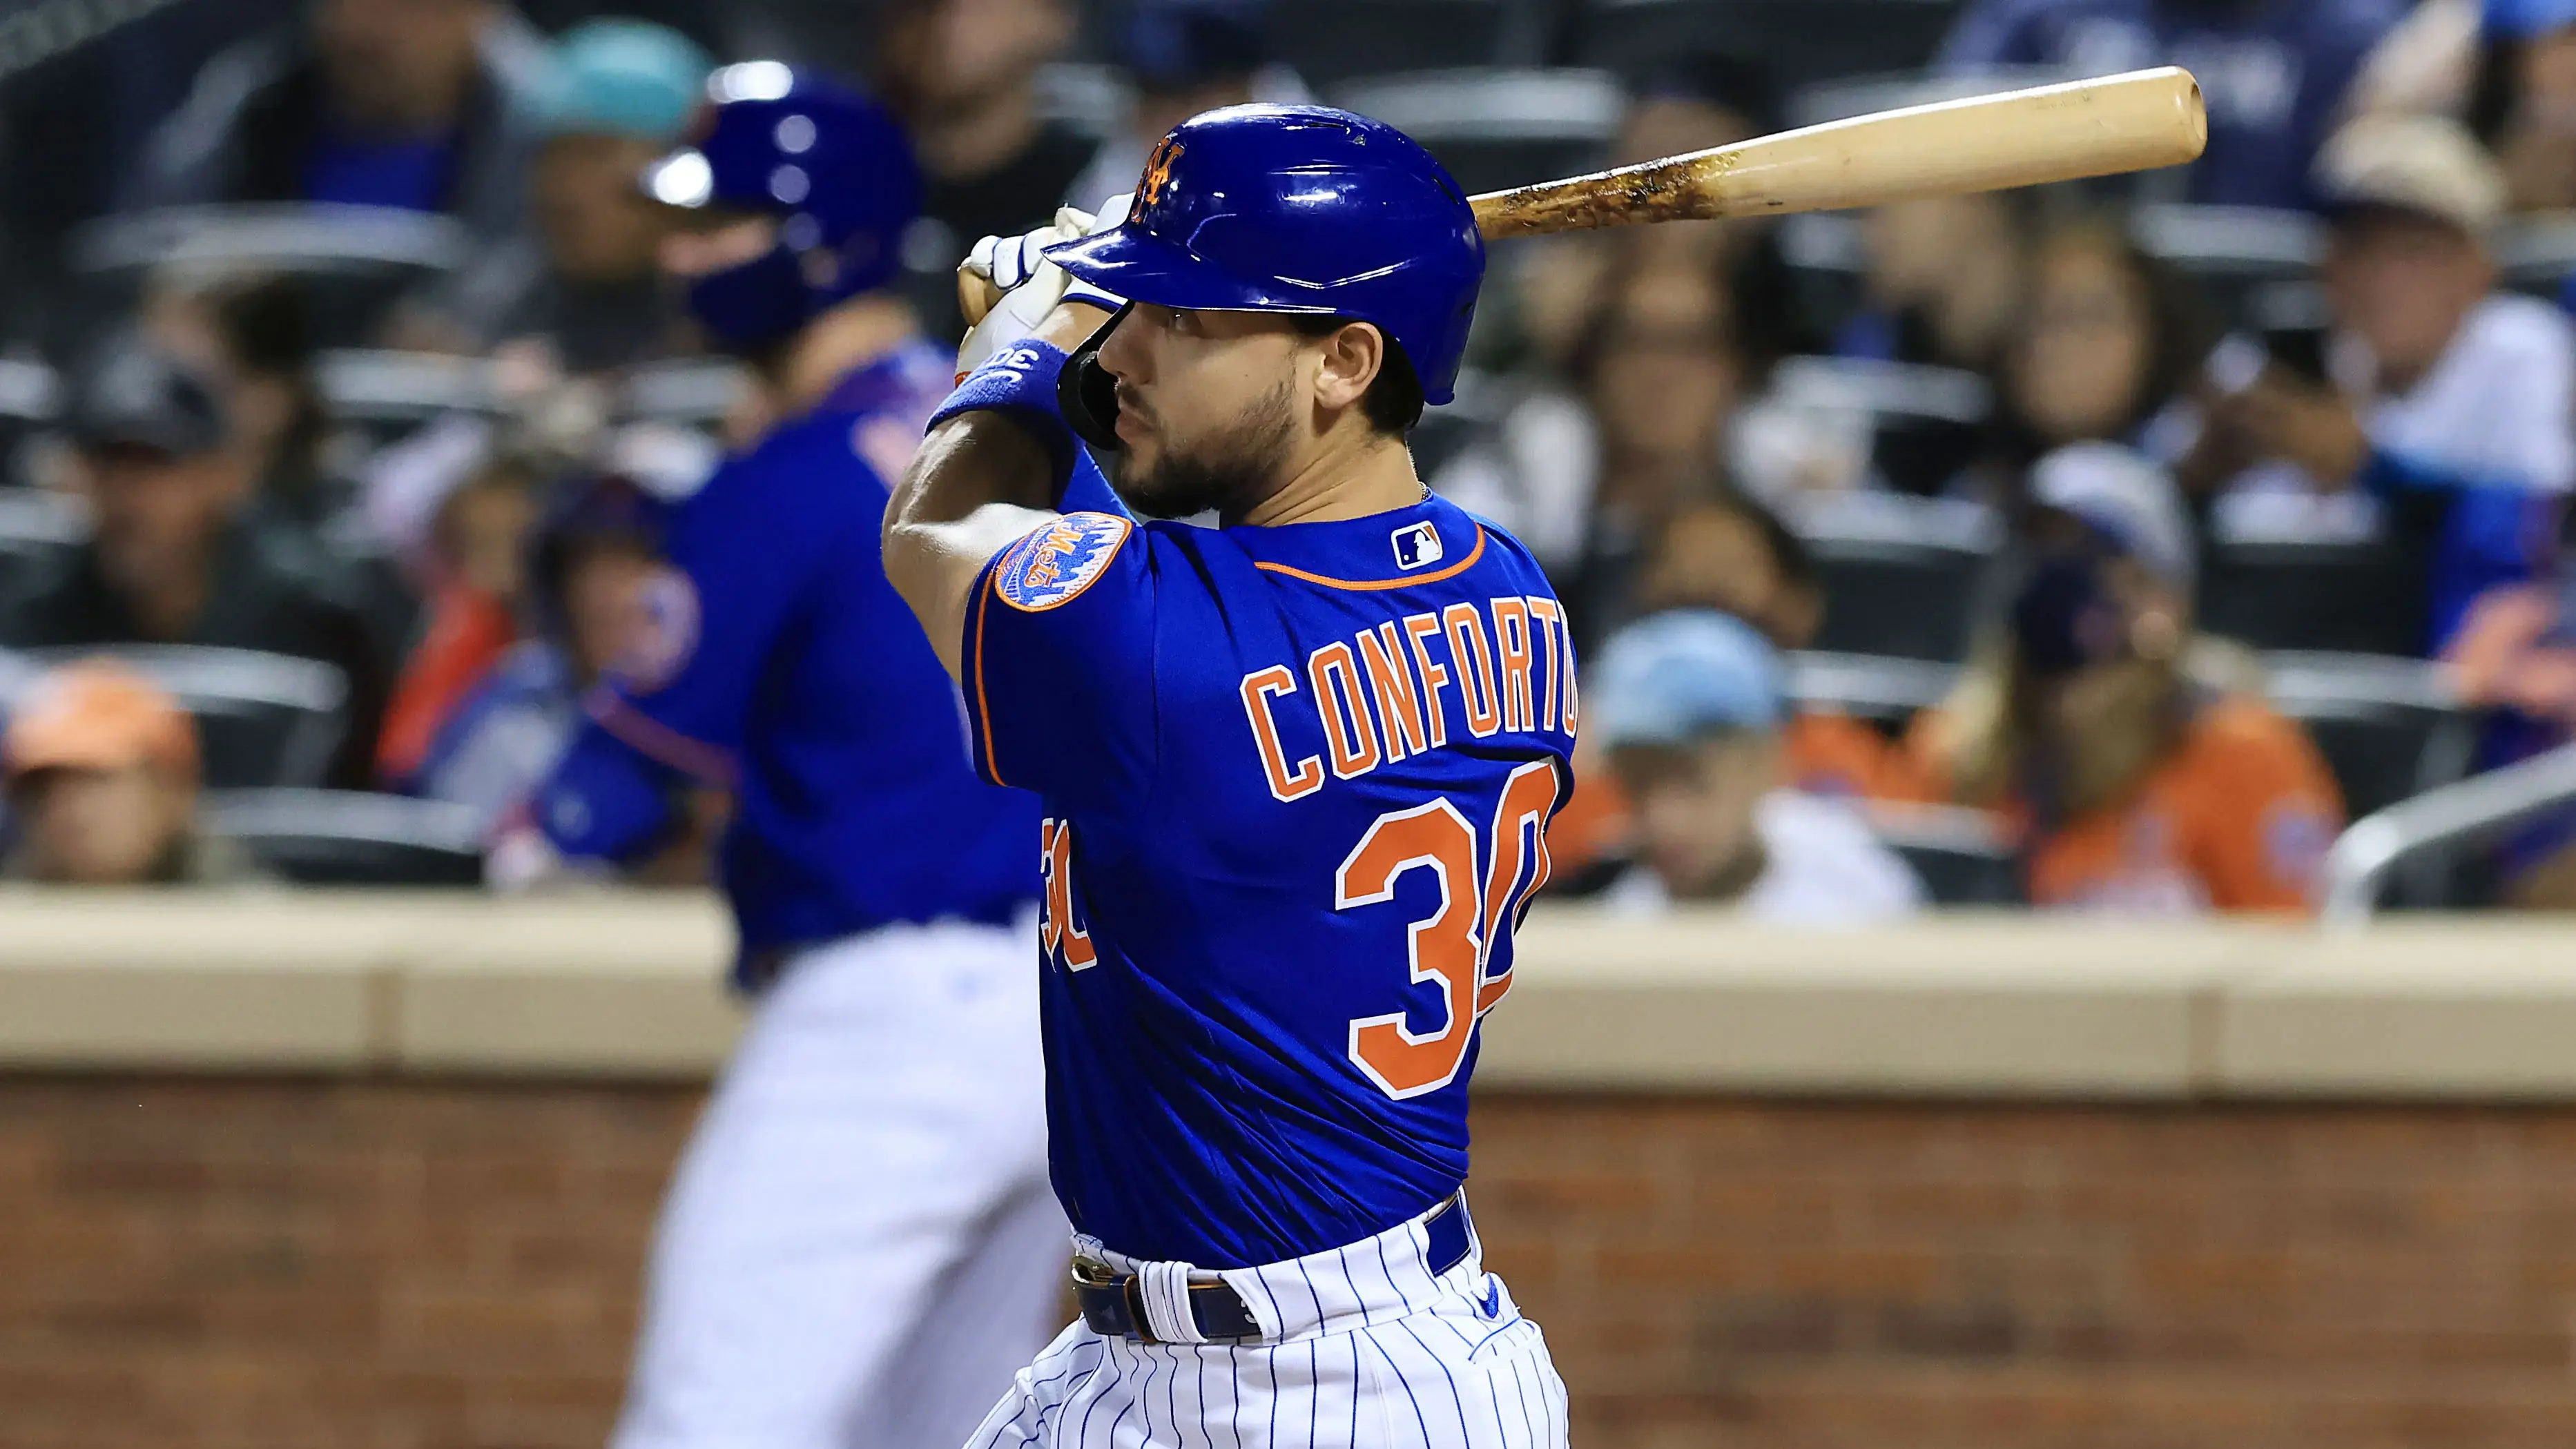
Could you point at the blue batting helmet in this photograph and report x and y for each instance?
(1300, 209)
(832, 165)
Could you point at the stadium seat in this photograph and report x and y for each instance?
(386, 391)
(1866, 686)
(2388, 727)
(2230, 241)
(1961, 856)
(2242, 257)
(2356, 598)
(36, 528)
(1496, 129)
(1902, 576)
(1860, 95)
(349, 837)
(30, 394)
(2538, 253)
(262, 719)
(352, 262)
(1927, 423)
(1802, 41)
(1329, 42)
(692, 392)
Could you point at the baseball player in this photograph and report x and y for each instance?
(1297, 771)
(859, 1246)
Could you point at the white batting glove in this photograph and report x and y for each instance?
(1021, 286)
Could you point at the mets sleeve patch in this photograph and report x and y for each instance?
(1053, 564)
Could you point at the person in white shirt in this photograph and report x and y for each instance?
(2449, 420)
(1689, 705)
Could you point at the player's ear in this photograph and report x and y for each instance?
(1349, 359)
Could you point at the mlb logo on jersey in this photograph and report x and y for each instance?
(1417, 545)
(1053, 564)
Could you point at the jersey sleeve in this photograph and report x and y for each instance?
(2271, 811)
(606, 800)
(1058, 660)
(743, 555)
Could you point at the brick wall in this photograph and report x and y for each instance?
(357, 1264)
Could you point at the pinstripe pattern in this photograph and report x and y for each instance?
(1370, 1350)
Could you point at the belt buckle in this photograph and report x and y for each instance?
(1093, 1273)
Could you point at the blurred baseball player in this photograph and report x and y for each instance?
(1297, 772)
(859, 1247)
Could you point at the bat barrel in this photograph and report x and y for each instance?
(2134, 122)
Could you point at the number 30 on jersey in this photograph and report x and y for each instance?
(1452, 947)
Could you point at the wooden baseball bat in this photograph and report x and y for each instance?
(2133, 122)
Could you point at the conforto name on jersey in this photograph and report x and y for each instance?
(1403, 687)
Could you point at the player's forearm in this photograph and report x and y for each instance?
(981, 480)
(978, 482)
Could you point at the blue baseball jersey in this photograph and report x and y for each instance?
(784, 668)
(1296, 786)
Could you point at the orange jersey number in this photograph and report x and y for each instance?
(1453, 945)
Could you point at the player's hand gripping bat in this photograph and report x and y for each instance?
(2132, 122)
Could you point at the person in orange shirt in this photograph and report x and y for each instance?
(2137, 789)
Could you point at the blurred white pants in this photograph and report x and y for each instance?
(860, 1245)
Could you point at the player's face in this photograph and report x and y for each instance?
(1207, 411)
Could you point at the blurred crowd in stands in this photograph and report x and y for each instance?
(2108, 546)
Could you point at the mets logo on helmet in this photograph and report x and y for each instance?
(1158, 172)
(1055, 563)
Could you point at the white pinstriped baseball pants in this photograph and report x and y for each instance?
(1364, 1348)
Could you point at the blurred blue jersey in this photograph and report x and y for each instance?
(785, 668)
(2275, 72)
(1296, 784)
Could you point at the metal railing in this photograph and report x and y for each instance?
(2364, 855)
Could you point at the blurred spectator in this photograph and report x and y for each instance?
(1585, 477)
(1183, 57)
(2137, 789)
(963, 74)
(1733, 555)
(173, 560)
(591, 577)
(1691, 104)
(2276, 72)
(252, 337)
(102, 780)
(1689, 707)
(413, 104)
(475, 573)
(2516, 655)
(2448, 413)
(2507, 68)
(584, 288)
(1945, 282)
(2107, 339)
(2524, 106)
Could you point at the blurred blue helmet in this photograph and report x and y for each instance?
(834, 168)
(1300, 209)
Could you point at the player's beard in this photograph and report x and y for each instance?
(1230, 473)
